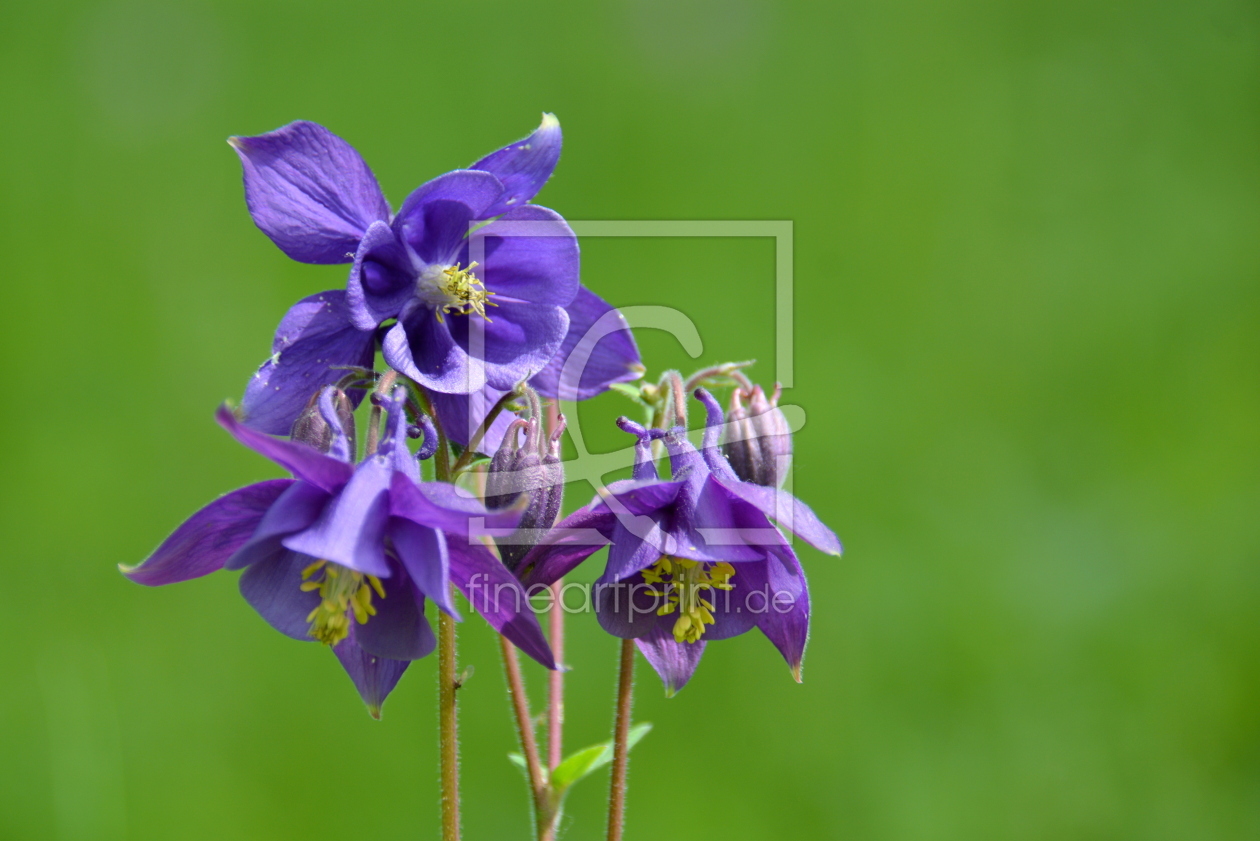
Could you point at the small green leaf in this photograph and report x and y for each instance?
(629, 390)
(477, 461)
(577, 765)
(637, 732)
(585, 762)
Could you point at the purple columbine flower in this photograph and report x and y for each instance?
(598, 351)
(692, 559)
(347, 554)
(460, 328)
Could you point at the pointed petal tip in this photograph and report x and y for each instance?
(374, 711)
(227, 410)
(549, 121)
(796, 673)
(236, 142)
(129, 572)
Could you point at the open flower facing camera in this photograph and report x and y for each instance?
(416, 414)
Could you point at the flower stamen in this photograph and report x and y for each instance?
(460, 292)
(683, 581)
(342, 591)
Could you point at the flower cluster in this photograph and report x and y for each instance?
(471, 297)
(691, 559)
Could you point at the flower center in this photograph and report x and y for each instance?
(454, 290)
(683, 581)
(341, 591)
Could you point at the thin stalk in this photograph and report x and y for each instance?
(555, 680)
(475, 441)
(621, 746)
(448, 727)
(374, 417)
(671, 410)
(544, 812)
(373, 430)
(442, 458)
(679, 393)
(731, 370)
(448, 683)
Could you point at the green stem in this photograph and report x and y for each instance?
(555, 680)
(471, 450)
(448, 684)
(442, 458)
(540, 791)
(448, 727)
(621, 742)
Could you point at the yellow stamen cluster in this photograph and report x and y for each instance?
(341, 591)
(683, 580)
(464, 292)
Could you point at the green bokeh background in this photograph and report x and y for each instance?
(1026, 342)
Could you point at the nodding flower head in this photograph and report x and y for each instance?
(348, 554)
(692, 559)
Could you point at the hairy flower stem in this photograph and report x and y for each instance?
(442, 458)
(670, 410)
(448, 683)
(621, 746)
(475, 441)
(678, 393)
(448, 727)
(383, 385)
(715, 376)
(544, 812)
(555, 679)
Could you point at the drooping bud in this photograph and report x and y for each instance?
(510, 465)
(312, 427)
(532, 468)
(757, 440)
(553, 476)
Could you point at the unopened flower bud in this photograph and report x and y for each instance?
(311, 427)
(553, 477)
(758, 442)
(512, 464)
(533, 468)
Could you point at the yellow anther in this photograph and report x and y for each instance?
(310, 570)
(685, 582)
(341, 590)
(463, 292)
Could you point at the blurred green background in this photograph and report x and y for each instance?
(1026, 341)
